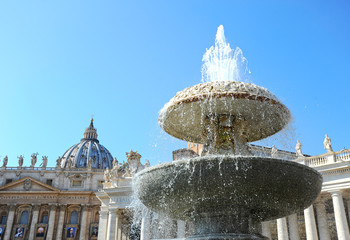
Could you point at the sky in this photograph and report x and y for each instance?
(63, 61)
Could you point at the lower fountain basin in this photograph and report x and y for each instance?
(225, 194)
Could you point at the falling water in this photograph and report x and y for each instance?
(222, 63)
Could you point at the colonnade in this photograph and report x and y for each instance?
(316, 222)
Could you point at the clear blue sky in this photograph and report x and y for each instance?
(62, 61)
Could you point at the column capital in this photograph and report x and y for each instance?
(103, 213)
(53, 206)
(12, 207)
(36, 207)
(336, 192)
(63, 207)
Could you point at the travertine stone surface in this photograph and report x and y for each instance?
(182, 117)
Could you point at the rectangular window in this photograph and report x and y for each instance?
(49, 182)
(3, 219)
(77, 183)
(8, 180)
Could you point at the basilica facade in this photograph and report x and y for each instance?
(55, 202)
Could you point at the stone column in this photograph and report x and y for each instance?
(265, 229)
(84, 219)
(310, 224)
(282, 230)
(102, 225)
(51, 224)
(181, 229)
(61, 221)
(145, 228)
(119, 231)
(34, 221)
(112, 224)
(293, 227)
(322, 224)
(9, 222)
(340, 216)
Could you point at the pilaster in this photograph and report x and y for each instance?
(34, 221)
(9, 222)
(102, 225)
(61, 221)
(51, 221)
(84, 220)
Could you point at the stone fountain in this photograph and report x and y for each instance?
(226, 191)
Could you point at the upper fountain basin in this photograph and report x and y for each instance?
(182, 117)
(261, 188)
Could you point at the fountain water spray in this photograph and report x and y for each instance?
(226, 191)
(222, 63)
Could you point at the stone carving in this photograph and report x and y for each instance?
(4, 164)
(44, 164)
(27, 184)
(69, 163)
(58, 162)
(20, 161)
(115, 163)
(133, 162)
(147, 164)
(274, 151)
(33, 160)
(327, 144)
(107, 175)
(298, 151)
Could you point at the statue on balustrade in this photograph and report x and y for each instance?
(33, 160)
(327, 144)
(58, 162)
(274, 151)
(44, 164)
(298, 151)
(4, 164)
(20, 161)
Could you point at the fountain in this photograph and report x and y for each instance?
(226, 191)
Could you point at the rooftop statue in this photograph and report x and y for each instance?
(20, 161)
(4, 164)
(58, 162)
(33, 160)
(274, 151)
(44, 163)
(327, 144)
(298, 151)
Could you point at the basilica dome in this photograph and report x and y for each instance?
(88, 153)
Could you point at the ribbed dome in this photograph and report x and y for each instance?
(89, 147)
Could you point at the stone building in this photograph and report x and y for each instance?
(327, 219)
(55, 202)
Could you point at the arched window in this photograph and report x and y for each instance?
(45, 217)
(3, 218)
(74, 217)
(24, 217)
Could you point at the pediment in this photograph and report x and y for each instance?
(27, 184)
